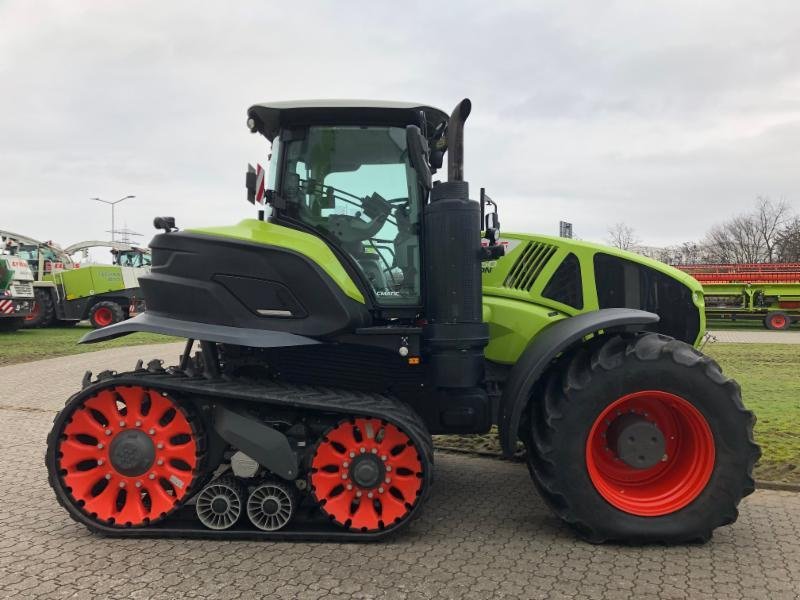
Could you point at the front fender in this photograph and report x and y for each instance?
(546, 346)
(224, 334)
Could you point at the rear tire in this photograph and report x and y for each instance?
(43, 311)
(106, 313)
(684, 497)
(777, 321)
(9, 324)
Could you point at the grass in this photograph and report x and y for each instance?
(35, 344)
(770, 378)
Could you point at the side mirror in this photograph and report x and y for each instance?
(250, 184)
(418, 152)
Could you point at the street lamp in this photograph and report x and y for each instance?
(113, 204)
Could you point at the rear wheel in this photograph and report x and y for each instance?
(777, 321)
(106, 313)
(43, 312)
(642, 439)
(125, 456)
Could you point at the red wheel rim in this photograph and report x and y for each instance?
(667, 486)
(88, 470)
(778, 321)
(35, 308)
(103, 316)
(337, 489)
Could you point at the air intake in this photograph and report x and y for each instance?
(528, 266)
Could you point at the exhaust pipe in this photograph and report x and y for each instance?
(455, 334)
(455, 140)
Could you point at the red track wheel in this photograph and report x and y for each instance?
(647, 421)
(127, 456)
(366, 474)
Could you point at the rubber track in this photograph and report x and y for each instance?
(576, 374)
(309, 398)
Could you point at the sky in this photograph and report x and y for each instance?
(668, 116)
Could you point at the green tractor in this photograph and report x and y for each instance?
(372, 309)
(67, 293)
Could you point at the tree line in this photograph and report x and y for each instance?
(770, 232)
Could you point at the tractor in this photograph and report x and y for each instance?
(365, 310)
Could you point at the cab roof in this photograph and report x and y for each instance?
(269, 117)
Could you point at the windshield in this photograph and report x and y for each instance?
(356, 186)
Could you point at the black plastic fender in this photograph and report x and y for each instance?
(546, 346)
(208, 332)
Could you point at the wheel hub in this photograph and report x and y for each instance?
(220, 505)
(270, 506)
(636, 441)
(132, 453)
(367, 471)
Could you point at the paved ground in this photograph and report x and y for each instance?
(757, 337)
(484, 534)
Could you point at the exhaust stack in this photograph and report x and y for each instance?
(455, 334)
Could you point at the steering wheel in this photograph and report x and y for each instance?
(349, 229)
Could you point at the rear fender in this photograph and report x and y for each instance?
(546, 346)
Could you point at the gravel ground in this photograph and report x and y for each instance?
(484, 534)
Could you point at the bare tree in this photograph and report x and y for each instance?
(770, 218)
(622, 236)
(751, 237)
(788, 244)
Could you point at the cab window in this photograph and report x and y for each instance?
(356, 186)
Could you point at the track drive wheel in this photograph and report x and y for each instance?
(367, 475)
(641, 439)
(125, 456)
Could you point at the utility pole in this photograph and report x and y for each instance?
(113, 205)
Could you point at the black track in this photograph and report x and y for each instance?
(309, 523)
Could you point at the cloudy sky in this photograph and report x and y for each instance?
(666, 115)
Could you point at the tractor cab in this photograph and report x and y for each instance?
(356, 174)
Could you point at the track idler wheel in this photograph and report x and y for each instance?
(366, 474)
(125, 456)
(271, 505)
(219, 504)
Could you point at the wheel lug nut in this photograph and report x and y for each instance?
(108, 432)
(152, 476)
(122, 423)
(138, 484)
(352, 455)
(151, 431)
(138, 423)
(369, 495)
(388, 480)
(363, 450)
(374, 450)
(358, 494)
(108, 475)
(100, 462)
(344, 475)
(383, 457)
(122, 484)
(100, 446)
(388, 467)
(160, 462)
(345, 464)
(349, 486)
(160, 446)
(380, 490)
